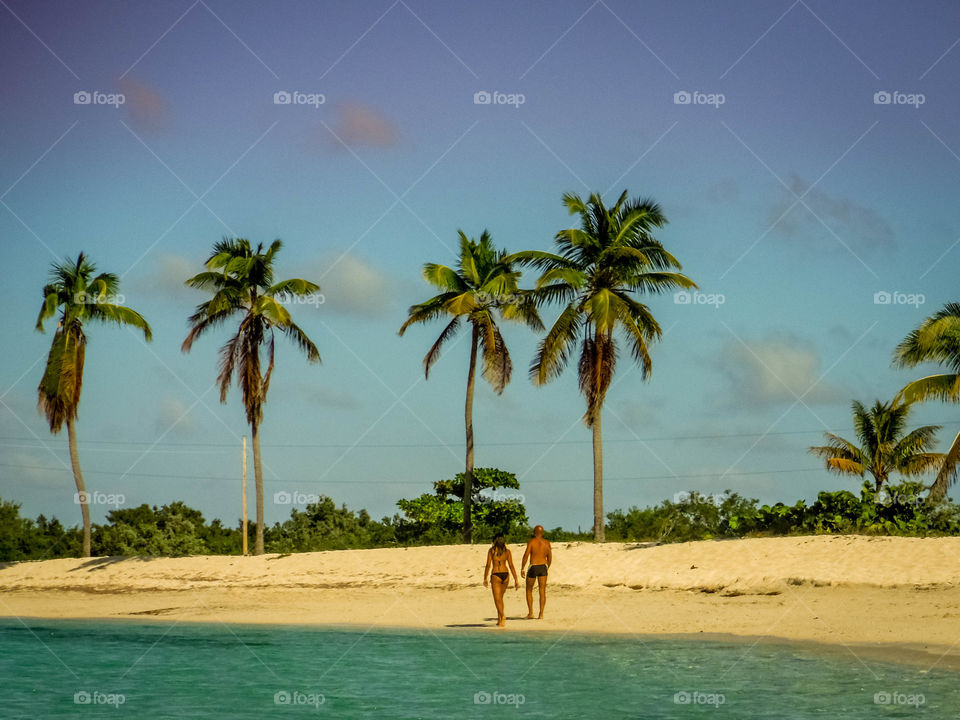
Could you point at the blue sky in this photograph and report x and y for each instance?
(794, 194)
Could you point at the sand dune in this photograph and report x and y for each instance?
(849, 589)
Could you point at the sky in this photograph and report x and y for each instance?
(806, 155)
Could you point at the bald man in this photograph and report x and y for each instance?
(541, 557)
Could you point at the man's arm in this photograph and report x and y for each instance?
(523, 563)
(549, 554)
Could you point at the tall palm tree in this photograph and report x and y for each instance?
(936, 339)
(241, 280)
(594, 275)
(81, 297)
(883, 447)
(482, 286)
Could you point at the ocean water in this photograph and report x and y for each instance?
(96, 669)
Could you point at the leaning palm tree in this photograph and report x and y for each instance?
(242, 283)
(81, 297)
(937, 339)
(598, 268)
(482, 286)
(883, 446)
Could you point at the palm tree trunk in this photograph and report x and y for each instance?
(81, 488)
(258, 480)
(468, 420)
(599, 534)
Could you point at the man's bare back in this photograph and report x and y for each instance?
(540, 555)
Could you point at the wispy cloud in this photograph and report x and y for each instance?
(775, 370)
(861, 227)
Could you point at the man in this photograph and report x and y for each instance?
(541, 557)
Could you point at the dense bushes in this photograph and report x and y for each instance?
(899, 510)
(435, 518)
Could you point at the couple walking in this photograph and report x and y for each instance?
(500, 559)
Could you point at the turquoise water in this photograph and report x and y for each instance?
(79, 669)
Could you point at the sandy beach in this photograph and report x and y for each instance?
(868, 592)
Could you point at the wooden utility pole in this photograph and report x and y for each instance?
(244, 494)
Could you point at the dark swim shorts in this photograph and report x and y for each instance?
(537, 571)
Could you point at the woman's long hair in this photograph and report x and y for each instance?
(499, 545)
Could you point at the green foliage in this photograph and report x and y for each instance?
(173, 530)
(26, 539)
(690, 516)
(437, 517)
(324, 526)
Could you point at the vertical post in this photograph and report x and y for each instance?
(244, 494)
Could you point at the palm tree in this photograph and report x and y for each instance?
(937, 339)
(482, 286)
(242, 283)
(882, 447)
(83, 297)
(598, 268)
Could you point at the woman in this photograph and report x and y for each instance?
(499, 558)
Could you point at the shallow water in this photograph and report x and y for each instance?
(61, 669)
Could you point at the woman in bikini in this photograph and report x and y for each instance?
(499, 558)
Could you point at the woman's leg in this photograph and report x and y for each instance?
(499, 586)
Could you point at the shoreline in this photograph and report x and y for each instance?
(926, 657)
(885, 598)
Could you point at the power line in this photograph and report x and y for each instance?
(232, 478)
(663, 438)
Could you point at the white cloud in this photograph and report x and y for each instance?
(352, 286)
(775, 370)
